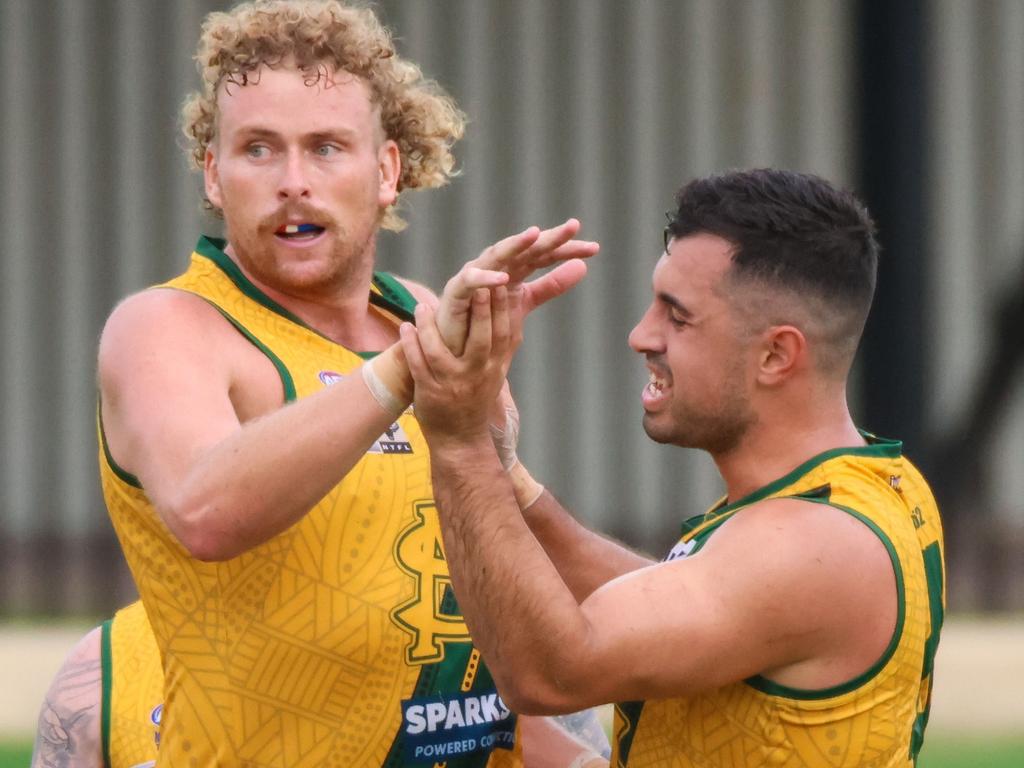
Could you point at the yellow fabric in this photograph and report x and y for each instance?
(868, 722)
(301, 651)
(136, 689)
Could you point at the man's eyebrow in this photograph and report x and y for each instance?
(256, 132)
(334, 133)
(676, 304)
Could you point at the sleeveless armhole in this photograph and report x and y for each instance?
(775, 689)
(126, 477)
(106, 688)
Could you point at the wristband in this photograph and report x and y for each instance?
(526, 489)
(583, 758)
(386, 399)
(506, 438)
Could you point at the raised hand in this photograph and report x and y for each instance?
(509, 262)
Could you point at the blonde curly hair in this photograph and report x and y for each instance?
(322, 36)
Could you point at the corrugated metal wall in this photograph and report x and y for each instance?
(977, 248)
(592, 108)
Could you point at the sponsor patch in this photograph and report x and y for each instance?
(682, 549)
(438, 728)
(327, 378)
(394, 440)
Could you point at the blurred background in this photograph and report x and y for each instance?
(598, 109)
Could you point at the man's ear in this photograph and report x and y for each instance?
(211, 179)
(389, 163)
(783, 352)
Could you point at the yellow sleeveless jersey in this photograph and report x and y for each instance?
(133, 683)
(875, 720)
(337, 642)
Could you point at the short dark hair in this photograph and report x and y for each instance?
(789, 230)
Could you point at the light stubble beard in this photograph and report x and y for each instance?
(718, 432)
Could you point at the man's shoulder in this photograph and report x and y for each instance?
(163, 319)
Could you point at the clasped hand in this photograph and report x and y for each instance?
(460, 354)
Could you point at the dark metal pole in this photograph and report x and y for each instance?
(893, 184)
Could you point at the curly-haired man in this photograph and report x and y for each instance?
(268, 484)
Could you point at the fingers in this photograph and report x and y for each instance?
(496, 256)
(453, 309)
(414, 356)
(469, 278)
(478, 343)
(523, 254)
(556, 282)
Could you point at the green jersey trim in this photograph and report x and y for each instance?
(876, 448)
(125, 477)
(775, 689)
(394, 297)
(106, 688)
(287, 383)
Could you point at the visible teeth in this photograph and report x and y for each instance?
(656, 384)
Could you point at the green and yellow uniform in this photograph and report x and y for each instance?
(337, 642)
(876, 719)
(132, 690)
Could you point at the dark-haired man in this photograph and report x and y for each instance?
(795, 622)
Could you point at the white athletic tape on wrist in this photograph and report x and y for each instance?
(530, 503)
(582, 759)
(506, 439)
(387, 399)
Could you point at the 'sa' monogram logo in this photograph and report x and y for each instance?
(430, 615)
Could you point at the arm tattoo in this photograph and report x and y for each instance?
(68, 732)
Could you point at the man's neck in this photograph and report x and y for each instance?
(342, 312)
(774, 447)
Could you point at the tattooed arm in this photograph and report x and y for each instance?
(69, 721)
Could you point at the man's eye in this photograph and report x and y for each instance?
(257, 151)
(676, 320)
(328, 150)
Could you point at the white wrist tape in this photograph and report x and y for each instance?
(387, 399)
(582, 759)
(506, 439)
(527, 503)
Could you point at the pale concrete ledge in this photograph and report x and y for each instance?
(978, 682)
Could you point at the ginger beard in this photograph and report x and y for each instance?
(316, 263)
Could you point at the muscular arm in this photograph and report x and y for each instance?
(194, 411)
(584, 559)
(176, 383)
(773, 592)
(68, 734)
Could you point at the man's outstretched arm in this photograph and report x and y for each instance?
(771, 593)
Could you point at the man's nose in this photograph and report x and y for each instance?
(294, 182)
(641, 338)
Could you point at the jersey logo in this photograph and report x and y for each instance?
(682, 549)
(327, 378)
(393, 441)
(442, 726)
(430, 615)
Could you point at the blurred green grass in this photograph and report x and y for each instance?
(939, 752)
